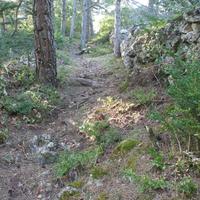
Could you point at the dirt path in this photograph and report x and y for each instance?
(24, 175)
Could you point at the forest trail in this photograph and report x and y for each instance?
(24, 174)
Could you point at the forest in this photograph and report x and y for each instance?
(99, 99)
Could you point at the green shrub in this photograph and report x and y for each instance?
(98, 172)
(182, 116)
(145, 182)
(25, 76)
(106, 28)
(144, 97)
(20, 44)
(22, 104)
(100, 50)
(157, 159)
(2, 85)
(40, 98)
(68, 161)
(125, 146)
(63, 57)
(103, 133)
(3, 135)
(187, 186)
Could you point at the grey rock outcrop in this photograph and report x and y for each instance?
(180, 35)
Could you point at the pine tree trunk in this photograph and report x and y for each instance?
(91, 28)
(72, 28)
(3, 22)
(117, 40)
(45, 53)
(151, 7)
(16, 17)
(84, 31)
(64, 17)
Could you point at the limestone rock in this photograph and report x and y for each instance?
(182, 34)
(44, 148)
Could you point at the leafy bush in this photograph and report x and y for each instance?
(98, 172)
(143, 97)
(182, 116)
(21, 43)
(187, 186)
(40, 98)
(145, 182)
(100, 50)
(106, 28)
(71, 160)
(22, 104)
(25, 76)
(2, 85)
(103, 133)
(158, 159)
(3, 135)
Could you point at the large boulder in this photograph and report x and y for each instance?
(143, 47)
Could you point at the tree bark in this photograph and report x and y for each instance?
(72, 28)
(3, 22)
(117, 39)
(84, 31)
(16, 17)
(64, 17)
(45, 53)
(91, 28)
(151, 7)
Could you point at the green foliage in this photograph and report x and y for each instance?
(5, 5)
(2, 85)
(63, 57)
(98, 172)
(25, 76)
(144, 97)
(77, 184)
(102, 196)
(155, 24)
(63, 73)
(124, 85)
(3, 135)
(125, 146)
(106, 28)
(22, 104)
(60, 40)
(103, 133)
(72, 160)
(145, 182)
(100, 50)
(39, 98)
(67, 195)
(20, 44)
(182, 117)
(187, 186)
(158, 159)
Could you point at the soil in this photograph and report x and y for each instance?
(22, 177)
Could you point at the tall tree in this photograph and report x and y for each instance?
(91, 27)
(117, 35)
(85, 23)
(45, 53)
(63, 17)
(72, 28)
(16, 16)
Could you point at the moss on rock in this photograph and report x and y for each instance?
(69, 195)
(98, 172)
(125, 146)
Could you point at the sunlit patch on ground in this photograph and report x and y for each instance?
(120, 113)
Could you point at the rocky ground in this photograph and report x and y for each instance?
(26, 169)
(95, 89)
